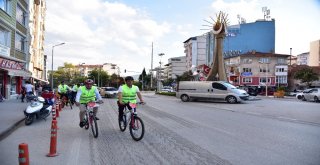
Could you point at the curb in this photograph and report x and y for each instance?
(9, 130)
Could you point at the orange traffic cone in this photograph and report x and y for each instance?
(23, 154)
(54, 115)
(57, 110)
(53, 141)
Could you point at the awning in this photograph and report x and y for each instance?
(18, 73)
(42, 80)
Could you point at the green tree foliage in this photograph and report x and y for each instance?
(186, 76)
(306, 75)
(99, 75)
(168, 82)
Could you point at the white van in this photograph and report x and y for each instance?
(193, 90)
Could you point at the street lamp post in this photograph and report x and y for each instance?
(159, 73)
(52, 63)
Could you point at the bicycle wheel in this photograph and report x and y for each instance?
(136, 129)
(94, 126)
(123, 123)
(86, 120)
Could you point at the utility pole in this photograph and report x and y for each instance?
(151, 75)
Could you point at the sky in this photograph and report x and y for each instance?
(122, 31)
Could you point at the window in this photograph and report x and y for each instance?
(263, 80)
(264, 60)
(246, 69)
(4, 37)
(5, 5)
(20, 15)
(281, 79)
(264, 69)
(282, 61)
(247, 61)
(219, 86)
(247, 80)
(280, 70)
(19, 42)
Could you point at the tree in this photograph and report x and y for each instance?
(100, 75)
(143, 78)
(186, 76)
(168, 82)
(306, 75)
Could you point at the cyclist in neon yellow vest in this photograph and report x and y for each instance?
(86, 94)
(127, 94)
(63, 89)
(74, 92)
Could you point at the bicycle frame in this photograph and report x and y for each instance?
(90, 118)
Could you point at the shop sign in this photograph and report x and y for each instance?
(4, 63)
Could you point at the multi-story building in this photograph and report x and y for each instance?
(13, 46)
(302, 59)
(111, 68)
(86, 69)
(314, 57)
(257, 69)
(195, 50)
(176, 67)
(36, 63)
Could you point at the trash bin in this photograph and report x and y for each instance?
(7, 93)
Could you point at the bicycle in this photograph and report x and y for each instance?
(136, 125)
(90, 119)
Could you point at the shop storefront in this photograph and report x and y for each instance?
(12, 75)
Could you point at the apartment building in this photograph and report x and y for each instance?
(314, 57)
(302, 59)
(13, 46)
(176, 67)
(37, 61)
(257, 69)
(195, 51)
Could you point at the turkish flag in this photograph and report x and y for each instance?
(206, 69)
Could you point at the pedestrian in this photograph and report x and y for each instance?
(39, 91)
(29, 88)
(23, 93)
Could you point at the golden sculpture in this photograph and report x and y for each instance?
(218, 67)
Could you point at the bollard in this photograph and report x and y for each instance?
(53, 140)
(23, 154)
(57, 110)
(54, 115)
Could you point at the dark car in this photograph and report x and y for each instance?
(263, 92)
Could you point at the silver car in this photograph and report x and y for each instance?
(312, 95)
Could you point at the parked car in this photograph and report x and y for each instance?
(108, 92)
(300, 95)
(312, 95)
(167, 89)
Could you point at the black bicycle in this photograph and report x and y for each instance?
(136, 125)
(90, 119)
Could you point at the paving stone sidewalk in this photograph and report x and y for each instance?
(11, 114)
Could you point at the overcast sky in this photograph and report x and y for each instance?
(121, 32)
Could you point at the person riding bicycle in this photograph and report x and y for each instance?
(86, 94)
(75, 89)
(127, 94)
(63, 89)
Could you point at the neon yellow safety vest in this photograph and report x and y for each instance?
(129, 94)
(63, 88)
(87, 95)
(76, 87)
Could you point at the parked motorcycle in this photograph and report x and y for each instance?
(39, 108)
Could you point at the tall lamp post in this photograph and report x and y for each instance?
(52, 63)
(159, 72)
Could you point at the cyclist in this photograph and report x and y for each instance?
(63, 89)
(127, 94)
(74, 92)
(86, 94)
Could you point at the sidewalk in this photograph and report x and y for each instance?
(11, 115)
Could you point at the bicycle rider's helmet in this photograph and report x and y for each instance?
(88, 81)
(128, 78)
